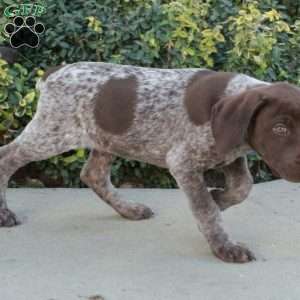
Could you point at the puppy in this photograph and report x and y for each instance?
(186, 120)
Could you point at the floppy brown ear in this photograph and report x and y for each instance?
(231, 118)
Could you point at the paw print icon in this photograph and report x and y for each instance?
(24, 32)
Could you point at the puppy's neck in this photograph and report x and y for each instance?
(241, 82)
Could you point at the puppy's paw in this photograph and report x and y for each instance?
(7, 218)
(234, 253)
(136, 211)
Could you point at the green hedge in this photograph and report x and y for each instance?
(259, 38)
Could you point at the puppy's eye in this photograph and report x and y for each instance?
(281, 129)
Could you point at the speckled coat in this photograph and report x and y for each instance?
(159, 116)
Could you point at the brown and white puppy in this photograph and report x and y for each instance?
(187, 120)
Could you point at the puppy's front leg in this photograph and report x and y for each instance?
(206, 211)
(238, 184)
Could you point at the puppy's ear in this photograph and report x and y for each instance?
(231, 118)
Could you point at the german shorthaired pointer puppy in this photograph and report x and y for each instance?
(187, 120)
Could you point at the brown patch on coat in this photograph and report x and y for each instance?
(50, 71)
(115, 104)
(203, 91)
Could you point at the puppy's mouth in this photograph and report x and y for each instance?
(288, 173)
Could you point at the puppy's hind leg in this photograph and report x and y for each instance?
(37, 142)
(7, 217)
(96, 174)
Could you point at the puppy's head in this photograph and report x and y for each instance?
(268, 118)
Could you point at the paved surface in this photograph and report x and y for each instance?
(72, 246)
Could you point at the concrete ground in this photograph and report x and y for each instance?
(72, 246)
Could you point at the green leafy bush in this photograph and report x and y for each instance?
(18, 99)
(259, 38)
